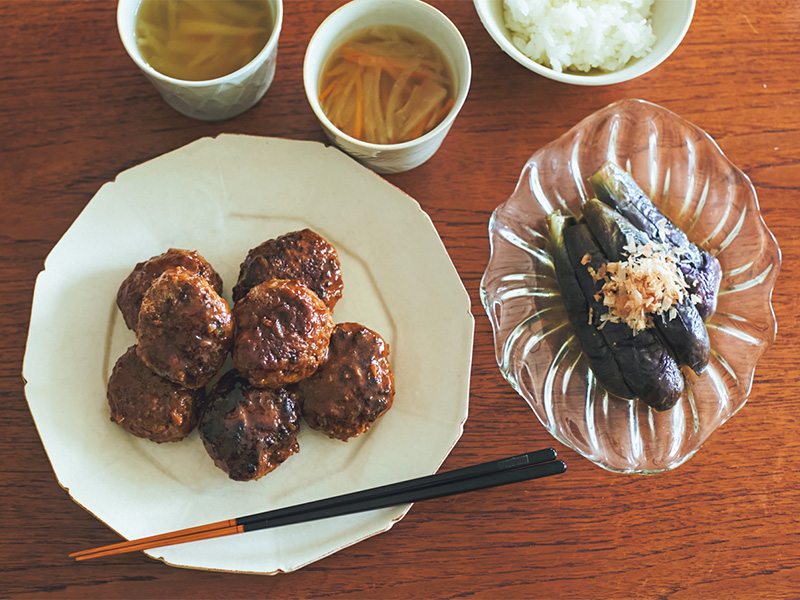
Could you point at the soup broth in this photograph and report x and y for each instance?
(386, 85)
(196, 40)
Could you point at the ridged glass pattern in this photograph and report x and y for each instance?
(692, 182)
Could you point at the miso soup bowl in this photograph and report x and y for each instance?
(412, 14)
(213, 99)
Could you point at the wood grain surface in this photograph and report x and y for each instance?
(75, 111)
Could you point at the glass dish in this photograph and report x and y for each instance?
(689, 178)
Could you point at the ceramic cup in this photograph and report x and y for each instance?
(213, 99)
(412, 14)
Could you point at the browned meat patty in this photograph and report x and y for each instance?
(353, 387)
(282, 331)
(301, 255)
(185, 328)
(248, 431)
(149, 406)
(131, 292)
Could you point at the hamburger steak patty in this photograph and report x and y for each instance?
(131, 292)
(248, 431)
(301, 255)
(353, 388)
(185, 328)
(282, 333)
(149, 406)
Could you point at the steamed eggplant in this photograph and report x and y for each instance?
(615, 187)
(647, 367)
(593, 344)
(681, 326)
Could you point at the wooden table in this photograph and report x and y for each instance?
(75, 111)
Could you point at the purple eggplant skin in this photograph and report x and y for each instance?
(594, 346)
(646, 365)
(704, 282)
(615, 187)
(685, 334)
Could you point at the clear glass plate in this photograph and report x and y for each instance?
(696, 186)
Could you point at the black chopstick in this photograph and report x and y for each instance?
(530, 465)
(436, 490)
(495, 466)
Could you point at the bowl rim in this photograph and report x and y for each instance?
(626, 73)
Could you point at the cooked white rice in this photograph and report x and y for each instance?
(581, 34)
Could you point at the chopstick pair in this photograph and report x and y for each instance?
(531, 465)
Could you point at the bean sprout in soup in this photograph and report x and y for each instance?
(197, 40)
(386, 85)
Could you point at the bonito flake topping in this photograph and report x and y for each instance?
(647, 284)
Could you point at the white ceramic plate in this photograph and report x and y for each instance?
(222, 197)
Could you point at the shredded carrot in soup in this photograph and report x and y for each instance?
(394, 82)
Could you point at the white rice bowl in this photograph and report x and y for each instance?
(581, 35)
